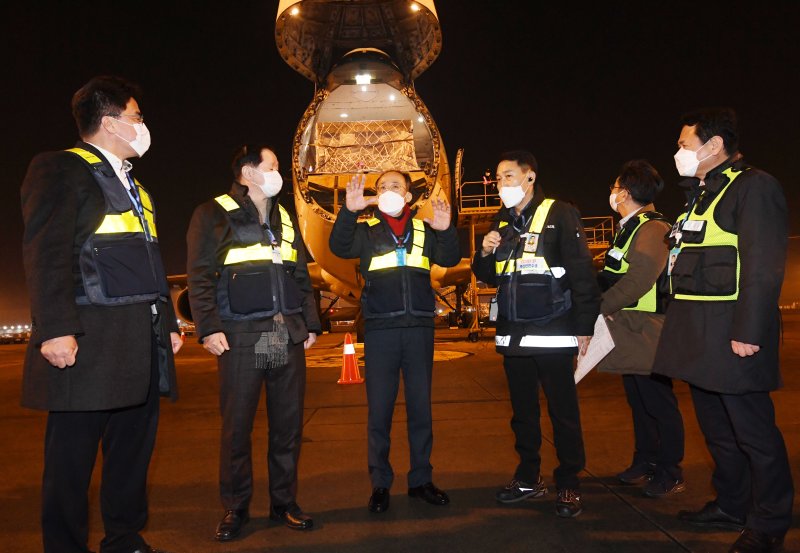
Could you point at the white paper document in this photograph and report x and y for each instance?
(600, 345)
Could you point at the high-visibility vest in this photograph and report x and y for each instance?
(256, 281)
(258, 251)
(120, 262)
(616, 262)
(391, 259)
(530, 259)
(712, 239)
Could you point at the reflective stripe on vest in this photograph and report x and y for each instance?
(259, 252)
(414, 259)
(535, 227)
(537, 341)
(649, 301)
(126, 222)
(715, 236)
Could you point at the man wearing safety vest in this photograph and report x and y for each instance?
(397, 302)
(546, 306)
(253, 307)
(104, 330)
(634, 310)
(722, 328)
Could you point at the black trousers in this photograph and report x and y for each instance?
(127, 437)
(240, 385)
(386, 353)
(751, 473)
(554, 372)
(657, 424)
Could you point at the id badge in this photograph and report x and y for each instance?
(401, 256)
(533, 266)
(673, 256)
(276, 255)
(531, 243)
(493, 309)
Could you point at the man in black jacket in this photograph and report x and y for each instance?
(547, 303)
(398, 306)
(722, 329)
(253, 307)
(104, 331)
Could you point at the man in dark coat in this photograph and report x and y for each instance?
(722, 329)
(396, 252)
(253, 307)
(103, 327)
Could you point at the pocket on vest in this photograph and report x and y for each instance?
(250, 292)
(124, 268)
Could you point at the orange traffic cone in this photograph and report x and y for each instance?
(350, 374)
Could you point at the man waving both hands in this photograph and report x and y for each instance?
(398, 305)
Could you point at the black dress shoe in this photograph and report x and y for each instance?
(231, 524)
(292, 516)
(379, 500)
(429, 493)
(753, 541)
(712, 515)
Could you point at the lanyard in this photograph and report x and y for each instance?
(401, 242)
(270, 234)
(133, 194)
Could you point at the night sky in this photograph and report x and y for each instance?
(583, 89)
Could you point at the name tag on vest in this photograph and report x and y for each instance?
(276, 255)
(532, 266)
(693, 226)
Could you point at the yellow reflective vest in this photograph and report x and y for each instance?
(706, 263)
(616, 262)
(120, 261)
(256, 280)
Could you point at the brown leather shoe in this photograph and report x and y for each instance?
(231, 524)
(292, 516)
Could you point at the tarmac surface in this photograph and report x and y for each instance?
(473, 455)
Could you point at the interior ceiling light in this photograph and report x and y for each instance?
(343, 115)
(295, 10)
(414, 7)
(363, 78)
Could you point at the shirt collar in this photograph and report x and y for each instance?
(120, 166)
(629, 216)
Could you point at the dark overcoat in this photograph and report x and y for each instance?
(62, 204)
(695, 343)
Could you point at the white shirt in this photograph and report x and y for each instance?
(120, 166)
(628, 217)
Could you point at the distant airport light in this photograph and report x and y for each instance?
(343, 115)
(363, 78)
(414, 7)
(294, 11)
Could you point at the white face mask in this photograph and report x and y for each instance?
(273, 182)
(612, 201)
(141, 143)
(391, 203)
(512, 195)
(686, 161)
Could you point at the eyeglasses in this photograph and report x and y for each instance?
(136, 118)
(614, 187)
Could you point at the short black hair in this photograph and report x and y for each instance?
(406, 177)
(641, 180)
(523, 158)
(249, 154)
(101, 96)
(710, 122)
